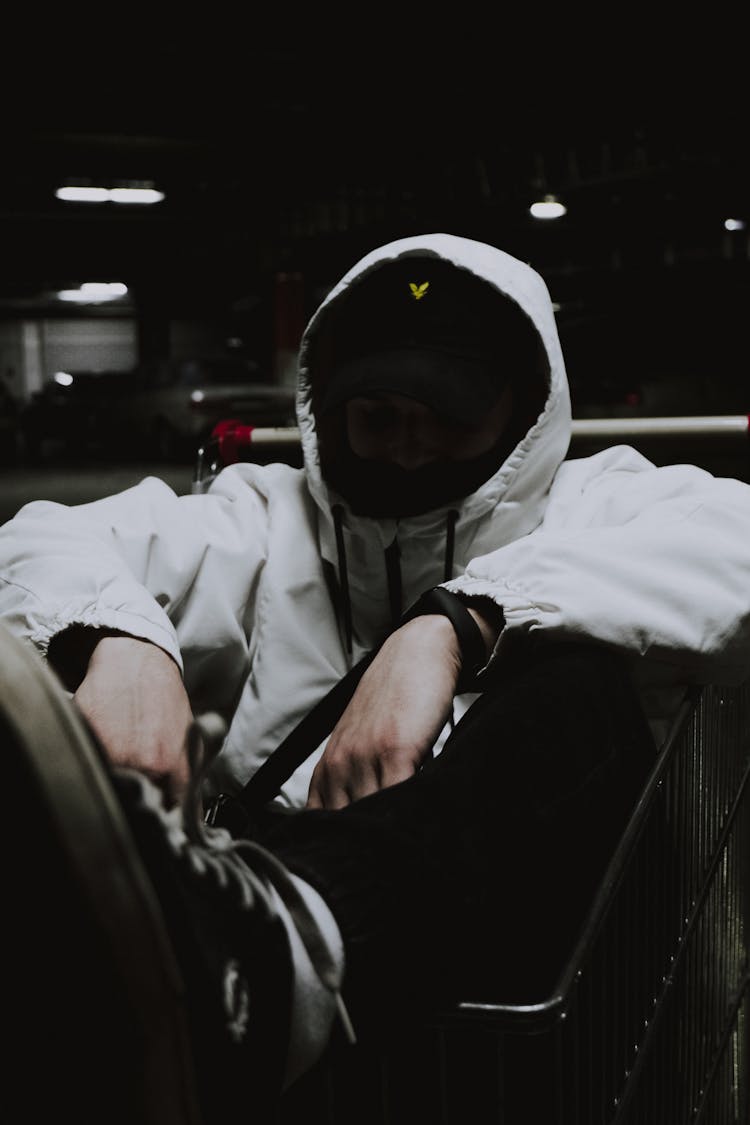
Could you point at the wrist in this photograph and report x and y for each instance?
(434, 630)
(71, 651)
(469, 634)
(112, 645)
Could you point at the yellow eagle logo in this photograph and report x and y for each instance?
(418, 291)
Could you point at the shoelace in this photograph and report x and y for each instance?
(212, 853)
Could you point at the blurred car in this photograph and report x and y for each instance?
(72, 415)
(171, 406)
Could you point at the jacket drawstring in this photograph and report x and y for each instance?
(393, 575)
(338, 524)
(392, 566)
(450, 544)
(450, 548)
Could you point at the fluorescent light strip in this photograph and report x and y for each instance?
(83, 194)
(94, 292)
(135, 195)
(109, 195)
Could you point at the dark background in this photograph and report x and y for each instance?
(296, 149)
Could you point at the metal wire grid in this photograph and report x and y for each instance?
(659, 1000)
(649, 1022)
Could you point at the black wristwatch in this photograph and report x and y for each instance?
(470, 639)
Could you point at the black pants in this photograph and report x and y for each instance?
(470, 880)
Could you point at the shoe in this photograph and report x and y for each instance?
(150, 975)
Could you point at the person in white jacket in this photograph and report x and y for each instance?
(435, 422)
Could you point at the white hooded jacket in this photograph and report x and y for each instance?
(237, 584)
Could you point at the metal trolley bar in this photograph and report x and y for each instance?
(687, 426)
(235, 441)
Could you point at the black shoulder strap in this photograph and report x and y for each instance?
(317, 724)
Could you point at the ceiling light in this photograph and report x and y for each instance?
(83, 194)
(104, 290)
(734, 224)
(134, 192)
(94, 292)
(74, 295)
(548, 208)
(136, 195)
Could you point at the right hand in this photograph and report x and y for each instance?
(134, 698)
(399, 708)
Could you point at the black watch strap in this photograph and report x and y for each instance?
(470, 639)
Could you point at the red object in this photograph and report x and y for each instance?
(232, 438)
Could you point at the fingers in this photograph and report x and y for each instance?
(397, 711)
(335, 784)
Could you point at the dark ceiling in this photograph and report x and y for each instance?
(292, 157)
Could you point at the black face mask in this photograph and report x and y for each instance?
(381, 490)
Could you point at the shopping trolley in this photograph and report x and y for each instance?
(648, 1021)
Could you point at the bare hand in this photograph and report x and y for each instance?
(134, 698)
(399, 708)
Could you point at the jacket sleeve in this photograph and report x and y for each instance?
(654, 561)
(145, 561)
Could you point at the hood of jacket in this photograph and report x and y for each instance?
(511, 502)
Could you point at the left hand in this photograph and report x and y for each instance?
(397, 712)
(135, 700)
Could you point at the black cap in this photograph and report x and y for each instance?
(426, 329)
